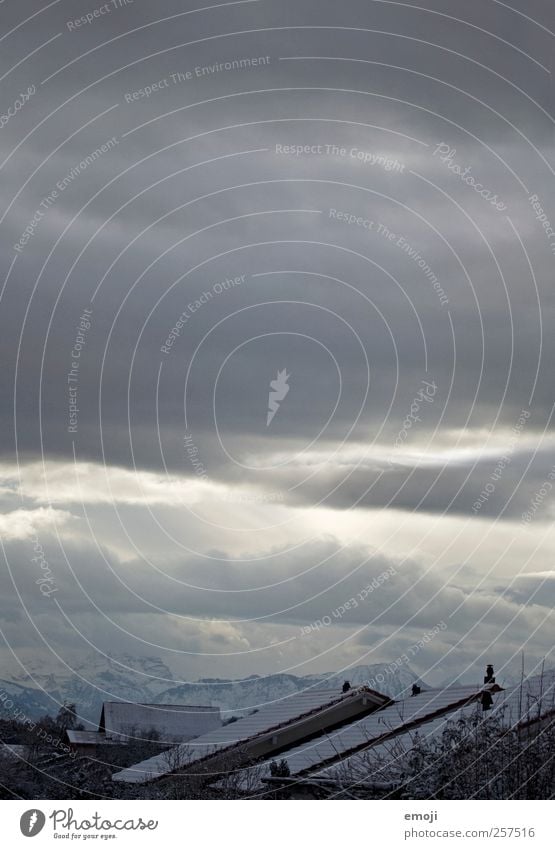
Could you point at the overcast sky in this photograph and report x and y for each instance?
(353, 200)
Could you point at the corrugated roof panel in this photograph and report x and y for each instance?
(271, 717)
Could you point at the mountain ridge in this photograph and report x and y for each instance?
(123, 678)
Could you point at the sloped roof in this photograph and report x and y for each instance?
(533, 700)
(285, 711)
(385, 721)
(515, 707)
(173, 723)
(336, 745)
(85, 738)
(394, 750)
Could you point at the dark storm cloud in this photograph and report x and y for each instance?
(485, 315)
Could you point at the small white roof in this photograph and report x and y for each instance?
(271, 717)
(85, 738)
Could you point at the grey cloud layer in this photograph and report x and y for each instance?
(202, 195)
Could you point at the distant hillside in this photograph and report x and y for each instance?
(31, 701)
(256, 691)
(97, 679)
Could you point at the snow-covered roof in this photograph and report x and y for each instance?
(336, 745)
(85, 738)
(518, 706)
(122, 721)
(385, 721)
(391, 754)
(283, 712)
(533, 700)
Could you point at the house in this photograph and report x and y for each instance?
(527, 708)
(122, 722)
(332, 748)
(319, 743)
(336, 763)
(274, 728)
(126, 722)
(83, 742)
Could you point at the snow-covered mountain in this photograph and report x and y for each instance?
(88, 683)
(236, 696)
(97, 679)
(31, 701)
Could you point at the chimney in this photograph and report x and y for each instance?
(489, 677)
(487, 700)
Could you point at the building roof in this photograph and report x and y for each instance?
(336, 745)
(389, 755)
(85, 738)
(122, 721)
(526, 703)
(287, 711)
(384, 722)
(517, 707)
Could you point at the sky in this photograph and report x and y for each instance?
(276, 331)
